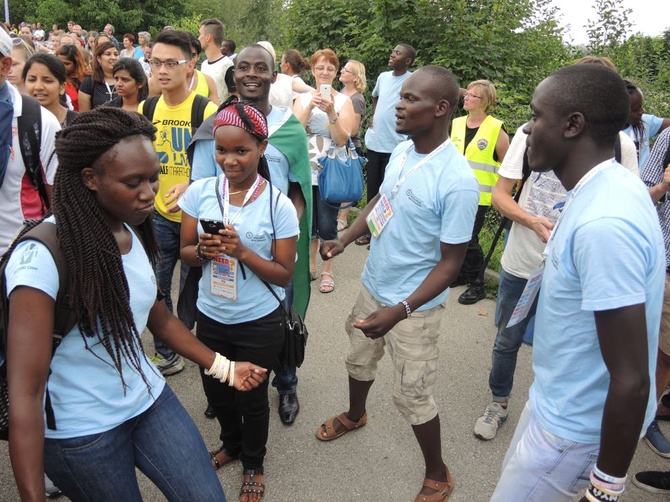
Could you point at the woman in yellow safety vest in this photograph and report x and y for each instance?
(484, 142)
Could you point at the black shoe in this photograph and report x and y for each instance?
(209, 412)
(288, 408)
(473, 294)
(653, 481)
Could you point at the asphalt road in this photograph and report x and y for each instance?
(381, 461)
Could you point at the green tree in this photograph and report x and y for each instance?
(611, 28)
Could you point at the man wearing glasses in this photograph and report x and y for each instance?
(170, 62)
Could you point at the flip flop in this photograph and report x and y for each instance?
(327, 284)
(341, 225)
(326, 432)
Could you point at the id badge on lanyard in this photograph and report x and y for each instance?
(380, 215)
(223, 277)
(527, 297)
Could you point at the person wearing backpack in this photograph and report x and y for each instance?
(176, 114)
(112, 411)
(26, 174)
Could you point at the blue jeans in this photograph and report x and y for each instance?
(286, 378)
(162, 442)
(167, 235)
(508, 340)
(324, 218)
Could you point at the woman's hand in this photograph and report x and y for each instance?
(231, 244)
(210, 245)
(248, 376)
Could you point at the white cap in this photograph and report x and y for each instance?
(5, 44)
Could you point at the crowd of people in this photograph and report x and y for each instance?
(143, 163)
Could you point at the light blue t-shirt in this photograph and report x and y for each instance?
(437, 203)
(254, 227)
(652, 124)
(381, 137)
(85, 389)
(606, 253)
(205, 166)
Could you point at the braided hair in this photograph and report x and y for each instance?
(98, 286)
(638, 129)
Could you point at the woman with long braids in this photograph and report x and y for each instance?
(113, 411)
(247, 258)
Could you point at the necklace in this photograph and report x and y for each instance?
(240, 191)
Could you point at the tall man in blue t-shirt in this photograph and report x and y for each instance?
(598, 314)
(421, 222)
(381, 136)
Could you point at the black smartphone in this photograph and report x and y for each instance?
(212, 226)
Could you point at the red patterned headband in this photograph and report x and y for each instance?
(256, 124)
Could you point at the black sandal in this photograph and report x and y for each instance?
(252, 487)
(226, 453)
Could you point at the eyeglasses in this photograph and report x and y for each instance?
(16, 41)
(470, 95)
(170, 64)
(329, 69)
(344, 70)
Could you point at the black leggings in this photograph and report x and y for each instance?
(244, 416)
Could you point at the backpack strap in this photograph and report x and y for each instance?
(65, 317)
(30, 132)
(197, 118)
(149, 107)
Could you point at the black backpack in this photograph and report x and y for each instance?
(65, 317)
(30, 136)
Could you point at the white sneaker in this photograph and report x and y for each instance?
(168, 366)
(487, 425)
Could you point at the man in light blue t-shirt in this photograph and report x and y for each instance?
(598, 314)
(422, 221)
(381, 136)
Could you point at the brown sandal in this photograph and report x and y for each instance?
(327, 430)
(443, 488)
(363, 240)
(221, 457)
(251, 487)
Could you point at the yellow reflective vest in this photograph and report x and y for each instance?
(479, 153)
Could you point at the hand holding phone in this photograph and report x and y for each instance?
(212, 226)
(325, 92)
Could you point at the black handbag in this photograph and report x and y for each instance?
(295, 335)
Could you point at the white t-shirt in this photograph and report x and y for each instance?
(281, 92)
(217, 70)
(381, 137)
(20, 204)
(84, 386)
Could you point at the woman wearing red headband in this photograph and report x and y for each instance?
(244, 233)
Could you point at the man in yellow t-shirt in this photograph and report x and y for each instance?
(171, 61)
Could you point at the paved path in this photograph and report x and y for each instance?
(381, 461)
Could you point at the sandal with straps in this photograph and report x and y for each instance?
(221, 457)
(327, 284)
(327, 432)
(251, 487)
(442, 490)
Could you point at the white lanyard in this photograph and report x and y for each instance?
(423, 161)
(109, 91)
(573, 193)
(226, 198)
